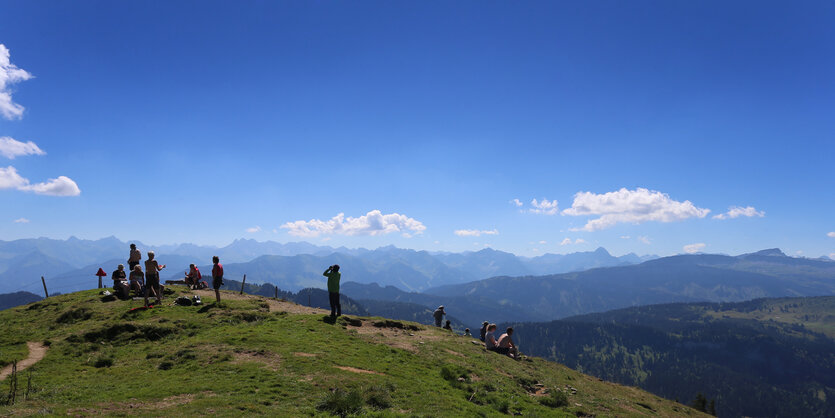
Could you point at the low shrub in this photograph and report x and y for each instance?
(557, 399)
(379, 397)
(341, 403)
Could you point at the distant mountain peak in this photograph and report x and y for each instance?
(771, 252)
(601, 251)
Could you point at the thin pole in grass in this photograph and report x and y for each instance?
(242, 284)
(276, 293)
(46, 294)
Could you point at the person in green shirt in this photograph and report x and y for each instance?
(332, 273)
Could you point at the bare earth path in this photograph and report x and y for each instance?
(36, 352)
(208, 296)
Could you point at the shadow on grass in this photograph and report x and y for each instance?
(209, 306)
(329, 319)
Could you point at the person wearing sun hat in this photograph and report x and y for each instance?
(439, 315)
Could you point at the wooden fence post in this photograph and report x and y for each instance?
(242, 284)
(276, 292)
(44, 287)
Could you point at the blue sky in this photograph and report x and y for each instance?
(202, 121)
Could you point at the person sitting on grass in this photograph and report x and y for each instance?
(448, 325)
(490, 340)
(118, 275)
(193, 276)
(506, 345)
(467, 332)
(137, 280)
(120, 285)
(483, 330)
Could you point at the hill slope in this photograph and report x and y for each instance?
(252, 355)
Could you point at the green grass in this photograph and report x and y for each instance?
(240, 358)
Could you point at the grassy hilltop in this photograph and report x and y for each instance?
(255, 355)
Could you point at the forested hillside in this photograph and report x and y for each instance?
(756, 358)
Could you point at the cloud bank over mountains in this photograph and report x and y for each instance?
(372, 223)
(630, 206)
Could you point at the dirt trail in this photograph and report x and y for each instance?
(208, 296)
(36, 352)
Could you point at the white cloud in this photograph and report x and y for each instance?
(645, 240)
(11, 148)
(516, 202)
(10, 74)
(475, 232)
(543, 242)
(634, 206)
(737, 211)
(254, 229)
(61, 186)
(567, 241)
(625, 237)
(372, 223)
(831, 234)
(832, 256)
(9, 179)
(21, 221)
(544, 207)
(694, 248)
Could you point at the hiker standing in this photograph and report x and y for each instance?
(439, 315)
(332, 273)
(133, 259)
(217, 276)
(152, 269)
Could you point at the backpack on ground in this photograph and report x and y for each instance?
(183, 301)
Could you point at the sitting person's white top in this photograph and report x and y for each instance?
(490, 341)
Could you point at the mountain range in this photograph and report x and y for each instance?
(681, 278)
(69, 265)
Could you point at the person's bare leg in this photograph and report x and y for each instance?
(217, 295)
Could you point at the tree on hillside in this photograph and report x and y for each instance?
(700, 403)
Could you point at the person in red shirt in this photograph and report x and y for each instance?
(217, 276)
(193, 276)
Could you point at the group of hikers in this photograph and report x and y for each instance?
(504, 345)
(147, 282)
